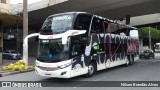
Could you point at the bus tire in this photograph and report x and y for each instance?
(132, 60)
(91, 70)
(128, 61)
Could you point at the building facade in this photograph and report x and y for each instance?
(4, 9)
(4, 6)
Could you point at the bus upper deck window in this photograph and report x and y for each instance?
(82, 22)
(98, 26)
(80, 25)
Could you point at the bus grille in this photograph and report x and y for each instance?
(48, 68)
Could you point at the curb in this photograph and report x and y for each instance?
(6, 73)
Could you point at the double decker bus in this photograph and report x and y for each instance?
(78, 43)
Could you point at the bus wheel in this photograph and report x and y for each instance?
(132, 60)
(91, 70)
(128, 61)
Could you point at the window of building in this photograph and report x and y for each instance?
(3, 1)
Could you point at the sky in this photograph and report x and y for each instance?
(21, 1)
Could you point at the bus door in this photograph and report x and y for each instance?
(76, 55)
(98, 34)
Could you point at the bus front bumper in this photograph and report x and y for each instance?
(59, 73)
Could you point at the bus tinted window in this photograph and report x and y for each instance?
(77, 48)
(82, 22)
(113, 28)
(97, 26)
(123, 30)
(119, 29)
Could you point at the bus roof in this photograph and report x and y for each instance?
(109, 20)
(69, 13)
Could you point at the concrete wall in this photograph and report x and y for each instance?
(35, 6)
(5, 8)
(145, 19)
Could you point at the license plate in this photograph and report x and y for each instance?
(48, 74)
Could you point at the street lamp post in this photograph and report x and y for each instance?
(25, 28)
(17, 38)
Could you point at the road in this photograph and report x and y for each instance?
(141, 70)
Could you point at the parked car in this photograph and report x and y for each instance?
(11, 54)
(147, 54)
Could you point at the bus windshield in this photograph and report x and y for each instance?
(57, 24)
(53, 50)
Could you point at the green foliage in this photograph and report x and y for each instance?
(144, 32)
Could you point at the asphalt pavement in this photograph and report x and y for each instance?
(141, 70)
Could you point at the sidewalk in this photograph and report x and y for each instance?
(31, 62)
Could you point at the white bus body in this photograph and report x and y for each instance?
(78, 43)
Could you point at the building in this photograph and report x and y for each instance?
(7, 17)
(4, 6)
(4, 9)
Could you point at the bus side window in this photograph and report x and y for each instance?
(82, 22)
(97, 25)
(114, 28)
(123, 30)
(76, 50)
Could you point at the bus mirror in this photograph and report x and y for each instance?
(134, 33)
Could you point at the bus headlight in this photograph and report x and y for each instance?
(64, 66)
(37, 63)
